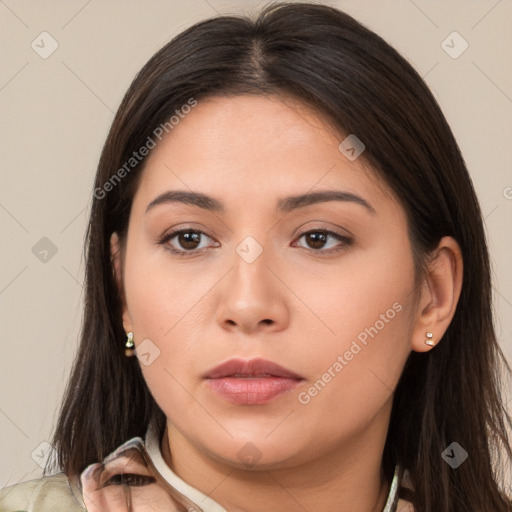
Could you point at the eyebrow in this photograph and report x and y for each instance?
(284, 205)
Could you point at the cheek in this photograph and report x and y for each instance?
(161, 293)
(353, 375)
(365, 321)
(363, 292)
(167, 315)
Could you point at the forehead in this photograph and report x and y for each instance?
(251, 148)
(248, 126)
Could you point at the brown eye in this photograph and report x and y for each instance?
(186, 241)
(319, 239)
(189, 239)
(316, 240)
(129, 479)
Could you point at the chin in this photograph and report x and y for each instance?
(258, 454)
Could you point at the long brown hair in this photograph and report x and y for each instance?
(363, 86)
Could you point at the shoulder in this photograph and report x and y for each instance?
(50, 493)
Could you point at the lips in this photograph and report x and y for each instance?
(251, 382)
(250, 368)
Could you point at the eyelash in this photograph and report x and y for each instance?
(346, 241)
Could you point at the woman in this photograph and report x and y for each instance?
(285, 235)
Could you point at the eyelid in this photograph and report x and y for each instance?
(322, 225)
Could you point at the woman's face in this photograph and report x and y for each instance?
(323, 288)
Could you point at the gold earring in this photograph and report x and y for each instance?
(429, 341)
(129, 345)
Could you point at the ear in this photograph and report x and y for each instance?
(439, 294)
(116, 258)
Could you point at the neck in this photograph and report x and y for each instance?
(347, 478)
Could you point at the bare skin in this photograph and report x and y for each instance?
(300, 303)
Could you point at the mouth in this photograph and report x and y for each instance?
(251, 382)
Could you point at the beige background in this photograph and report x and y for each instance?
(55, 116)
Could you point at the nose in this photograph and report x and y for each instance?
(252, 299)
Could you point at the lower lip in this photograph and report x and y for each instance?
(252, 391)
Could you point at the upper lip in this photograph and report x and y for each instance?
(250, 368)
